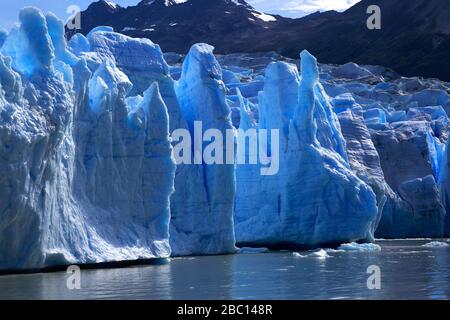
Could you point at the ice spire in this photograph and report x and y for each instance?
(304, 114)
(56, 31)
(201, 93)
(30, 45)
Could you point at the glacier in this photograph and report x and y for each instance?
(201, 222)
(84, 179)
(90, 136)
(202, 218)
(315, 199)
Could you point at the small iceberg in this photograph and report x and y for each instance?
(247, 250)
(321, 254)
(334, 251)
(436, 244)
(356, 247)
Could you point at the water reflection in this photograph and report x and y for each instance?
(408, 271)
(202, 277)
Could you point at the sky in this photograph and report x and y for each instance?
(290, 8)
(300, 8)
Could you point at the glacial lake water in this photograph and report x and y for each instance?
(408, 270)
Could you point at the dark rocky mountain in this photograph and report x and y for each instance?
(414, 38)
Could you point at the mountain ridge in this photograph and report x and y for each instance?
(414, 39)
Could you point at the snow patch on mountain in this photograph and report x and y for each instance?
(264, 17)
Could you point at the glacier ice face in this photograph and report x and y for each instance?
(143, 63)
(315, 199)
(402, 165)
(202, 212)
(403, 213)
(88, 165)
(83, 180)
(407, 120)
(444, 179)
(374, 103)
(407, 161)
(364, 160)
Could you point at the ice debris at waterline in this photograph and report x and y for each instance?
(88, 166)
(249, 250)
(436, 244)
(360, 247)
(320, 254)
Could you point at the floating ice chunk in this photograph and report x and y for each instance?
(334, 251)
(320, 254)
(248, 250)
(364, 247)
(437, 244)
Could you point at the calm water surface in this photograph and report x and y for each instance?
(408, 271)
